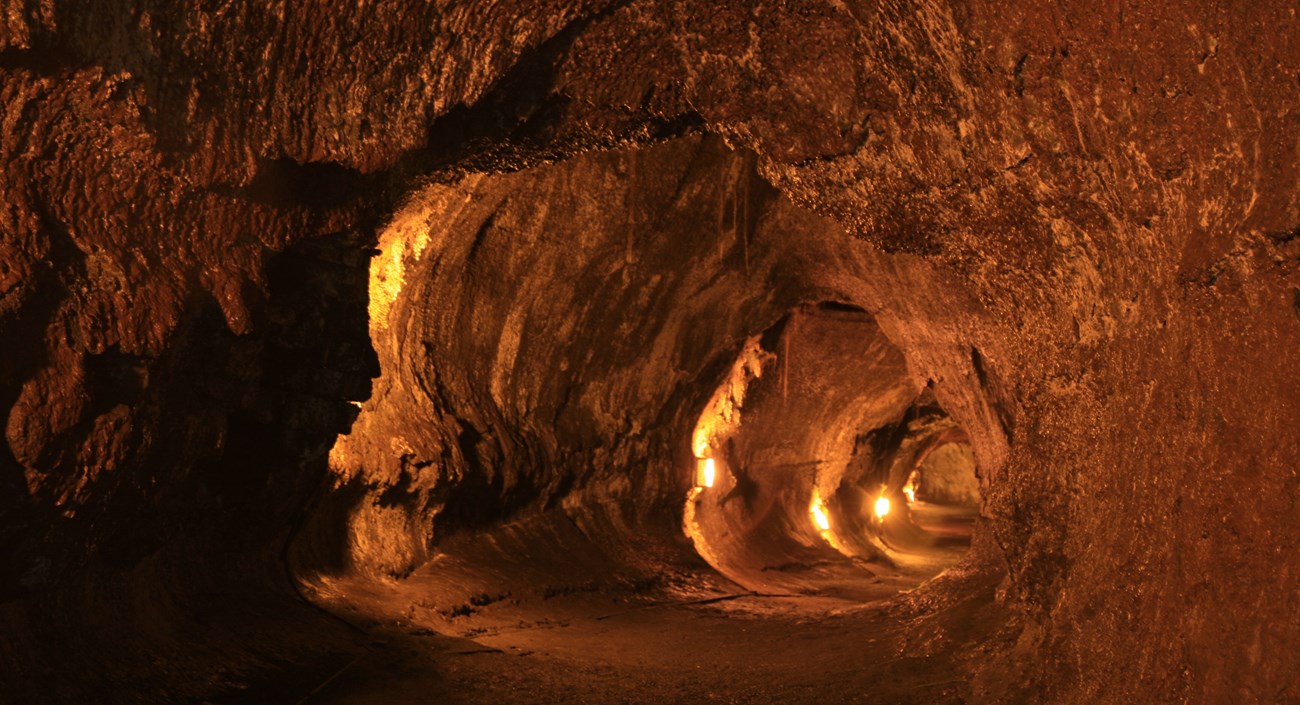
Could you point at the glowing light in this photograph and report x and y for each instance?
(819, 515)
(909, 490)
(821, 518)
(708, 473)
(882, 507)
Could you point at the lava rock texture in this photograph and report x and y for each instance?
(553, 229)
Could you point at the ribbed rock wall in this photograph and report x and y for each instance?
(552, 336)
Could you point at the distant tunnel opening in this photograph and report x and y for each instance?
(823, 467)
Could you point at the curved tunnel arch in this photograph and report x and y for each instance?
(514, 418)
(803, 459)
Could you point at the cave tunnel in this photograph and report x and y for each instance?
(649, 352)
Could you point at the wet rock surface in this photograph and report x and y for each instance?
(547, 233)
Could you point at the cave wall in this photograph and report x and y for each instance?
(948, 476)
(579, 392)
(1117, 185)
(1095, 205)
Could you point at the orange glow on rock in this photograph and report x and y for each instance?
(882, 507)
(708, 473)
(820, 518)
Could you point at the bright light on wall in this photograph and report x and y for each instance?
(820, 518)
(708, 472)
(882, 507)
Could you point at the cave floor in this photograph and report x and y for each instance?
(754, 650)
(465, 629)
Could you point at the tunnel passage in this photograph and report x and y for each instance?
(1092, 213)
(563, 347)
(808, 456)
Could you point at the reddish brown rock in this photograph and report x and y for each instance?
(1075, 223)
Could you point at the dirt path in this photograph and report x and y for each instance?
(468, 629)
(747, 650)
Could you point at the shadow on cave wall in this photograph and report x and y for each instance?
(240, 428)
